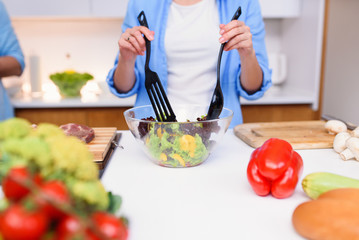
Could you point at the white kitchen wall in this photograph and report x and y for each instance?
(341, 79)
(85, 45)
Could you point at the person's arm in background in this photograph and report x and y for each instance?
(11, 56)
(9, 66)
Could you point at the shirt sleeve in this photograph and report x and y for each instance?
(111, 82)
(9, 44)
(129, 22)
(255, 22)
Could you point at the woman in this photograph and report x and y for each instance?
(11, 60)
(185, 39)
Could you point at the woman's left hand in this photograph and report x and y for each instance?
(238, 36)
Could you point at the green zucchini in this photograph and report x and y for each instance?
(317, 183)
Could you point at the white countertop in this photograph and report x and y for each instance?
(105, 99)
(210, 201)
(275, 95)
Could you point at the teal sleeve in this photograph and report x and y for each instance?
(9, 44)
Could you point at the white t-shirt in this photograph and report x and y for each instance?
(191, 43)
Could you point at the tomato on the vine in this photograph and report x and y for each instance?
(110, 225)
(16, 222)
(57, 192)
(12, 189)
(70, 228)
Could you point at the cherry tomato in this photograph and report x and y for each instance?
(12, 189)
(110, 225)
(18, 223)
(56, 191)
(70, 228)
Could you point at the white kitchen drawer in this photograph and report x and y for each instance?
(109, 8)
(280, 8)
(66, 8)
(26, 8)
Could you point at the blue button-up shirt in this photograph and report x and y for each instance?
(157, 14)
(9, 46)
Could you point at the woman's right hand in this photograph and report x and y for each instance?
(132, 42)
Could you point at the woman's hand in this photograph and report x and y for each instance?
(132, 42)
(238, 36)
(131, 45)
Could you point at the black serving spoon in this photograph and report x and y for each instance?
(216, 106)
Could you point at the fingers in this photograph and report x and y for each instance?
(236, 34)
(132, 40)
(239, 41)
(123, 45)
(136, 40)
(232, 29)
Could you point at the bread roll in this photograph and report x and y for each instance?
(333, 216)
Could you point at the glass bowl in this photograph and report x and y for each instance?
(185, 143)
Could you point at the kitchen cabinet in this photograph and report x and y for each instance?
(280, 8)
(109, 8)
(31, 8)
(66, 8)
(93, 117)
(278, 113)
(113, 117)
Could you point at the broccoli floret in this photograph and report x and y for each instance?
(14, 128)
(72, 155)
(86, 170)
(91, 193)
(31, 149)
(45, 130)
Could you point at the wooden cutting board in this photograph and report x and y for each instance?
(300, 134)
(101, 144)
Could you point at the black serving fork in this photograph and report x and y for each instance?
(155, 91)
(216, 106)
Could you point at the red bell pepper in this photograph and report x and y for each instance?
(274, 168)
